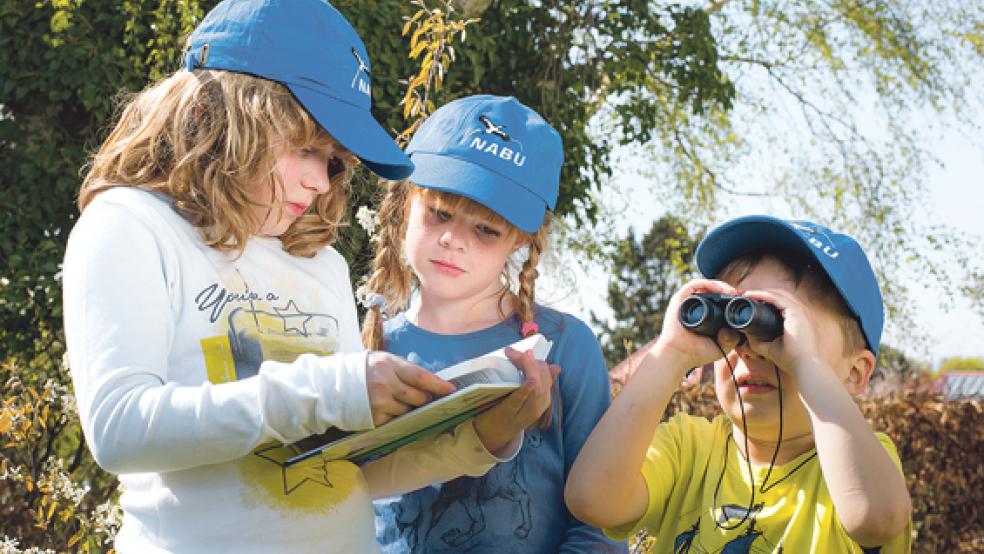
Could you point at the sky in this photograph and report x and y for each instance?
(956, 196)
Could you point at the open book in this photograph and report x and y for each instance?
(479, 381)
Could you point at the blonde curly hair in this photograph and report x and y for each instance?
(205, 138)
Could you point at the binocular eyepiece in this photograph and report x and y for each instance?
(707, 313)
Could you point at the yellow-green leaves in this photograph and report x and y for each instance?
(433, 32)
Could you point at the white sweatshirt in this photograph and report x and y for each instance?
(171, 346)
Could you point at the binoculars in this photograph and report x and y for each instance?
(707, 313)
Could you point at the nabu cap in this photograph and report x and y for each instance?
(839, 255)
(310, 48)
(495, 151)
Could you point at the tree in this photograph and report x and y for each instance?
(958, 363)
(827, 98)
(895, 368)
(974, 290)
(644, 275)
(564, 59)
(62, 64)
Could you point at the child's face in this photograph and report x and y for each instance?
(455, 255)
(756, 376)
(306, 174)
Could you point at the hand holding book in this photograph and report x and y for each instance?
(500, 425)
(396, 386)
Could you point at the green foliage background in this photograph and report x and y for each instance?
(62, 65)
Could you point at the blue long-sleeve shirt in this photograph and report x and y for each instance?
(518, 506)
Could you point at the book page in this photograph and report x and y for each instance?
(485, 370)
(492, 365)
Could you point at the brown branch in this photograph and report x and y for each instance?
(712, 176)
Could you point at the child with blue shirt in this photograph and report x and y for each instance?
(486, 176)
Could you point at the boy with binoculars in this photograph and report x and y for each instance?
(793, 313)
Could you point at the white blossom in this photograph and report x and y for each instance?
(368, 218)
(362, 289)
(8, 545)
(62, 486)
(11, 473)
(106, 520)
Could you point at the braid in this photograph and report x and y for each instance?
(372, 329)
(526, 310)
(389, 277)
(526, 295)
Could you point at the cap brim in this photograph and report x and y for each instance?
(500, 194)
(357, 130)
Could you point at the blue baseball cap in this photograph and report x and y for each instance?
(495, 151)
(311, 49)
(840, 256)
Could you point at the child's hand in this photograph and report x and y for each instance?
(397, 386)
(500, 424)
(694, 350)
(798, 343)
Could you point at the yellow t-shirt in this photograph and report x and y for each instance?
(682, 469)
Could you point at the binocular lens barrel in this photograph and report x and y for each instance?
(707, 313)
(739, 312)
(694, 313)
(701, 315)
(754, 318)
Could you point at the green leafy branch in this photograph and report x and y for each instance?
(434, 31)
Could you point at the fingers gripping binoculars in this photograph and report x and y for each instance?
(707, 313)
